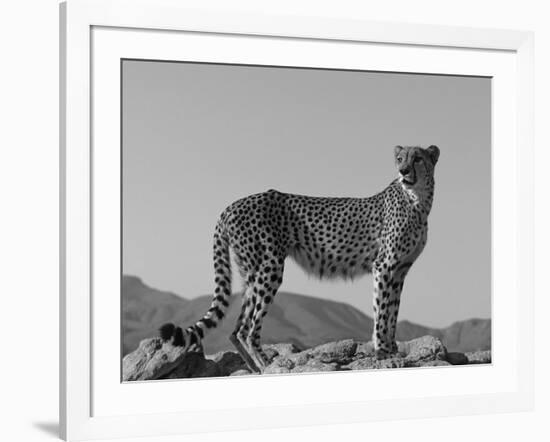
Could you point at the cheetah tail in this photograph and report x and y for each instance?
(192, 336)
(222, 292)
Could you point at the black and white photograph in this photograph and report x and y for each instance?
(284, 220)
(275, 220)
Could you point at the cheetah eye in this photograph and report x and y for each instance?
(399, 159)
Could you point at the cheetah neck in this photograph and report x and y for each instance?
(420, 197)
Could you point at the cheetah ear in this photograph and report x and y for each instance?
(397, 149)
(433, 151)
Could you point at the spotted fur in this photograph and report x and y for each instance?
(327, 237)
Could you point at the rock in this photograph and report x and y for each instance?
(364, 349)
(300, 358)
(153, 359)
(281, 361)
(157, 360)
(426, 348)
(391, 363)
(403, 348)
(216, 356)
(456, 358)
(276, 369)
(229, 362)
(371, 363)
(340, 351)
(315, 366)
(479, 357)
(240, 373)
(364, 363)
(272, 350)
(437, 363)
(194, 365)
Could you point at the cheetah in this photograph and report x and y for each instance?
(329, 238)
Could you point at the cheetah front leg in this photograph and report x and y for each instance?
(380, 338)
(387, 294)
(388, 286)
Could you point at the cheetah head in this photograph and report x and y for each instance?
(416, 165)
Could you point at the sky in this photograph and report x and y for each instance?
(196, 137)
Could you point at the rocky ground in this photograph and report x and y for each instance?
(157, 360)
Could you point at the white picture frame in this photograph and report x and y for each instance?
(95, 34)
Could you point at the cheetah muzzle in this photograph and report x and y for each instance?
(329, 238)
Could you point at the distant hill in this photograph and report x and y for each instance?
(302, 320)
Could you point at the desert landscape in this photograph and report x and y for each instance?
(301, 334)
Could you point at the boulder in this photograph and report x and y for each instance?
(153, 359)
(279, 365)
(272, 350)
(426, 348)
(300, 358)
(195, 365)
(339, 351)
(456, 358)
(479, 357)
(228, 362)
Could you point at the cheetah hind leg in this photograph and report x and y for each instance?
(257, 353)
(247, 344)
(244, 354)
(266, 293)
(239, 331)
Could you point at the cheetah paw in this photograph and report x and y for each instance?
(382, 354)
